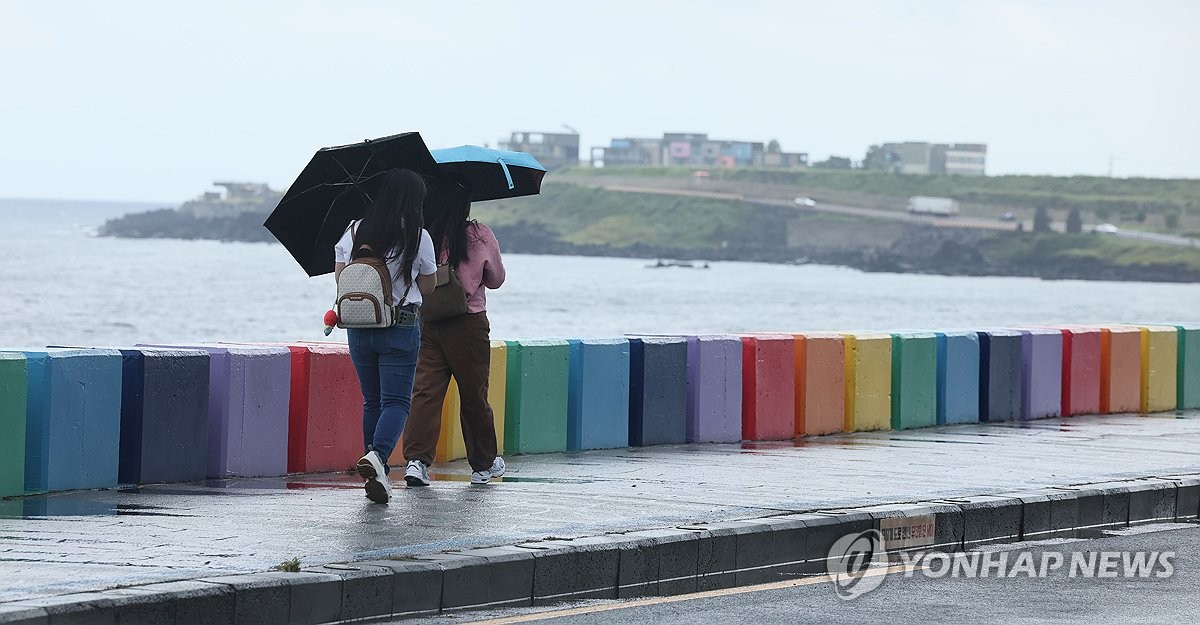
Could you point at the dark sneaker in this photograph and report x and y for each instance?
(417, 473)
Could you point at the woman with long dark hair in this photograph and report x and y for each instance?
(458, 346)
(386, 358)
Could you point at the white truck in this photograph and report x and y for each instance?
(929, 205)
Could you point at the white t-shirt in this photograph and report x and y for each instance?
(424, 264)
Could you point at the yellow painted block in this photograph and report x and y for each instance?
(450, 444)
(1160, 349)
(868, 382)
(497, 386)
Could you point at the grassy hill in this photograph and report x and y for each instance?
(1145, 203)
(584, 216)
(574, 219)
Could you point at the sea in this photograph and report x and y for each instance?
(61, 284)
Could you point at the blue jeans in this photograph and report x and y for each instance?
(386, 362)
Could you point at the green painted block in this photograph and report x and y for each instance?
(1188, 366)
(13, 394)
(914, 380)
(535, 407)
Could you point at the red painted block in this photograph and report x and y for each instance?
(325, 413)
(768, 387)
(1081, 371)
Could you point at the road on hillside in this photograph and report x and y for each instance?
(921, 599)
(875, 213)
(821, 207)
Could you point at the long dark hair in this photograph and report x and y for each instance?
(448, 208)
(392, 225)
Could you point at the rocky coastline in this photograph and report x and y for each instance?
(942, 251)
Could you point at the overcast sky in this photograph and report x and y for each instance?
(154, 100)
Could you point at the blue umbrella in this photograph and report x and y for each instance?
(492, 174)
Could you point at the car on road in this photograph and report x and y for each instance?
(806, 201)
(1106, 229)
(1008, 216)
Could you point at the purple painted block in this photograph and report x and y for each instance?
(1041, 373)
(249, 391)
(714, 389)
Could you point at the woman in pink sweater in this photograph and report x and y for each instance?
(457, 346)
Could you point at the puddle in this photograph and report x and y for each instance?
(462, 477)
(35, 507)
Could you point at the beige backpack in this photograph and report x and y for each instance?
(364, 292)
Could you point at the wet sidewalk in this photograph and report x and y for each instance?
(91, 540)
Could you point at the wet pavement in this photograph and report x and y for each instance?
(90, 540)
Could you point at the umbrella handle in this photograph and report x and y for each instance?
(507, 176)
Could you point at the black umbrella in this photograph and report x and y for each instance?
(334, 189)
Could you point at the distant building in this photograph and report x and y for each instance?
(551, 149)
(966, 159)
(239, 197)
(629, 151)
(684, 149)
(918, 157)
(787, 160)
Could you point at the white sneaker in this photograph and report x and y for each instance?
(417, 473)
(370, 467)
(483, 477)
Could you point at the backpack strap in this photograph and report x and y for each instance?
(355, 249)
(409, 281)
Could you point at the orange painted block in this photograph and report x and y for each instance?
(1120, 369)
(868, 382)
(768, 394)
(820, 383)
(1160, 360)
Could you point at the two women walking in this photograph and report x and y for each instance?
(388, 360)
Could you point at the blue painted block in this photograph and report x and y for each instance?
(657, 391)
(164, 415)
(598, 394)
(958, 377)
(73, 419)
(1000, 364)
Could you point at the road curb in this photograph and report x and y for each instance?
(687, 558)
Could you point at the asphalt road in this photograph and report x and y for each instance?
(920, 599)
